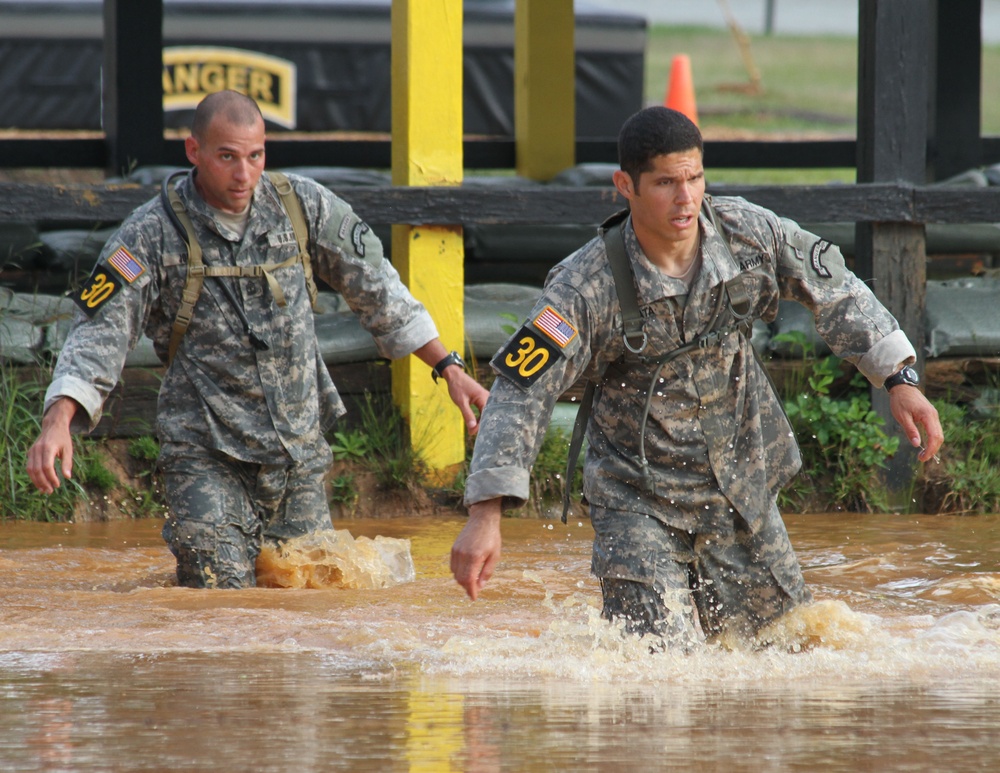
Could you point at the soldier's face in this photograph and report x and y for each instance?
(230, 161)
(666, 200)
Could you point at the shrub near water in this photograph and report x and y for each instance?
(19, 499)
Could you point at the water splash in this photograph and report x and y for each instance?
(335, 559)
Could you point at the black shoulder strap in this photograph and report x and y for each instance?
(634, 330)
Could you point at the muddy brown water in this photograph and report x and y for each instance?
(106, 666)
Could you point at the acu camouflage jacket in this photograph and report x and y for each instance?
(220, 392)
(713, 404)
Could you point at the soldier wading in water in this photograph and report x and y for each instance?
(218, 272)
(687, 443)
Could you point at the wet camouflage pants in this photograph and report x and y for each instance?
(683, 587)
(222, 509)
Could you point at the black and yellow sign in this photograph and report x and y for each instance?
(190, 73)
(101, 287)
(526, 357)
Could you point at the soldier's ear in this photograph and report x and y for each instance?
(191, 149)
(623, 182)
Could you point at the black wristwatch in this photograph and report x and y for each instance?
(905, 376)
(451, 359)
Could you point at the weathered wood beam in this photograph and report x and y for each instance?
(535, 205)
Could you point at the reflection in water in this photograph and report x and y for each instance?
(106, 665)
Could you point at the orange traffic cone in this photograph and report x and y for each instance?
(680, 90)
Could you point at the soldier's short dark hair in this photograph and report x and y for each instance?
(238, 109)
(652, 132)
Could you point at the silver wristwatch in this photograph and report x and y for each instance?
(906, 375)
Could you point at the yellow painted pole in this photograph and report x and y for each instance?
(544, 87)
(427, 150)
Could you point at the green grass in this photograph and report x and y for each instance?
(809, 88)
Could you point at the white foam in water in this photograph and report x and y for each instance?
(825, 640)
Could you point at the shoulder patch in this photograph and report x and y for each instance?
(526, 357)
(126, 265)
(551, 322)
(101, 287)
(357, 237)
(816, 258)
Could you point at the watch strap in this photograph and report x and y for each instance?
(906, 375)
(453, 358)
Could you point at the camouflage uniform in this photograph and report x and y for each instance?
(704, 523)
(253, 420)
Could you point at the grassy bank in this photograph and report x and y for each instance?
(807, 87)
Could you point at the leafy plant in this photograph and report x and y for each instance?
(843, 444)
(349, 445)
(548, 474)
(344, 491)
(390, 454)
(969, 480)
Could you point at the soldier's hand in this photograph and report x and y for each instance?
(477, 548)
(54, 442)
(466, 392)
(913, 410)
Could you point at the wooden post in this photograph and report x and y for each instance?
(132, 98)
(544, 87)
(955, 109)
(427, 150)
(893, 93)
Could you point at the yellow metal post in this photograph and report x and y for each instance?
(427, 150)
(544, 87)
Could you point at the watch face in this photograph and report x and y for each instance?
(907, 375)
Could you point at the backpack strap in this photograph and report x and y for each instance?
(197, 270)
(633, 331)
(293, 208)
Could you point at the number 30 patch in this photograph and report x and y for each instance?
(526, 357)
(97, 290)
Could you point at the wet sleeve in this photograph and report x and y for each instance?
(545, 357)
(848, 316)
(348, 256)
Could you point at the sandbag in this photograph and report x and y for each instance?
(942, 238)
(493, 312)
(962, 317)
(342, 339)
(586, 175)
(72, 250)
(31, 325)
(19, 245)
(337, 176)
(550, 243)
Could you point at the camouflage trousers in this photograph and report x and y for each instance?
(683, 587)
(222, 510)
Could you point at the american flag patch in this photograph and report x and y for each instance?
(126, 265)
(554, 326)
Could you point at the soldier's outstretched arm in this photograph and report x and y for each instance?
(477, 548)
(54, 442)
